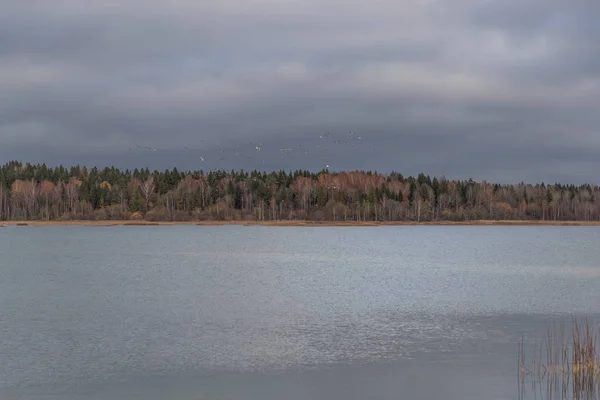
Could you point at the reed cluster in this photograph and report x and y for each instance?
(561, 366)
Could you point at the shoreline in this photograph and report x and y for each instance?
(298, 223)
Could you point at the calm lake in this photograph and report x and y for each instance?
(233, 312)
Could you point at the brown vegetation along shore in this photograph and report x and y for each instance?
(37, 192)
(304, 223)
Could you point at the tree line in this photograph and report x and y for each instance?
(38, 192)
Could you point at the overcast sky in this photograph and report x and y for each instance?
(502, 90)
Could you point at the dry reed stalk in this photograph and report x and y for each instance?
(566, 364)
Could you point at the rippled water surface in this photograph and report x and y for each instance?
(233, 312)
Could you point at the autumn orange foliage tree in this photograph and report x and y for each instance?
(30, 191)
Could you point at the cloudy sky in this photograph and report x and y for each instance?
(502, 90)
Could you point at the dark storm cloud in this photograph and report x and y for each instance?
(496, 90)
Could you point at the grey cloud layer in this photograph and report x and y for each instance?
(496, 90)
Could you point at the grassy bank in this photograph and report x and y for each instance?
(304, 223)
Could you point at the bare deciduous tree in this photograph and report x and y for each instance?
(147, 189)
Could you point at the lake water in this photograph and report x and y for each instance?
(233, 312)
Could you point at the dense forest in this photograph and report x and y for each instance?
(29, 192)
